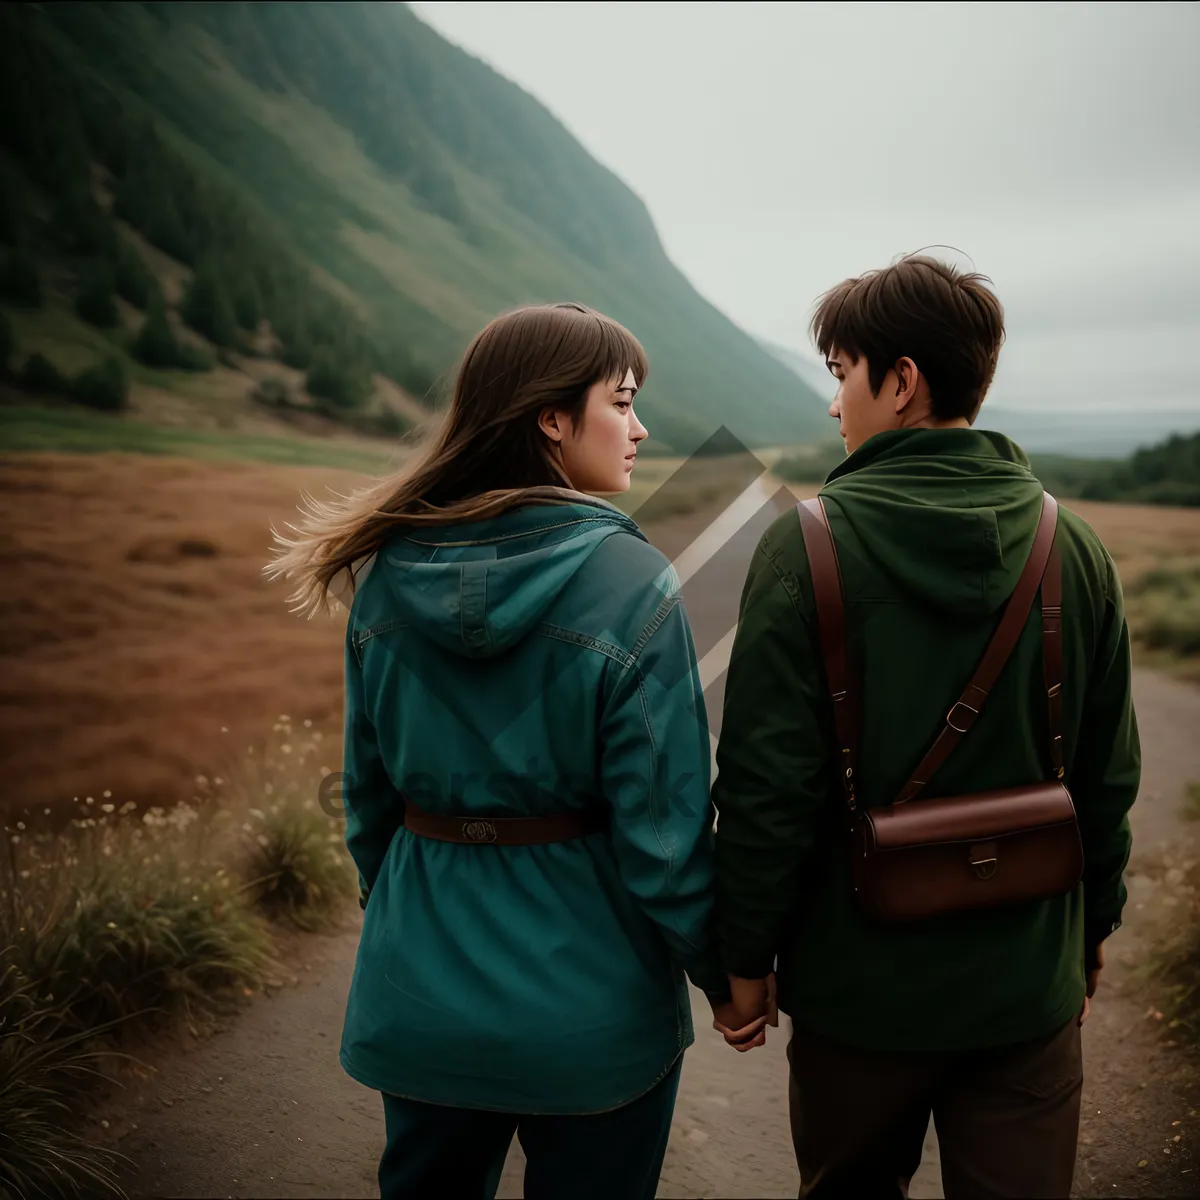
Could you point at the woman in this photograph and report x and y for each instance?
(526, 780)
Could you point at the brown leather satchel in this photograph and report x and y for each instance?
(913, 859)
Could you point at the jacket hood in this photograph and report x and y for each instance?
(478, 588)
(948, 514)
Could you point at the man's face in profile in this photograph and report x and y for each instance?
(859, 414)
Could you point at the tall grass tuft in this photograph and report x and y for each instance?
(1173, 964)
(296, 865)
(119, 922)
(41, 1154)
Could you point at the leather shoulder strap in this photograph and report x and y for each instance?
(831, 622)
(965, 711)
(1052, 653)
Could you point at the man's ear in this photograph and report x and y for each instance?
(908, 377)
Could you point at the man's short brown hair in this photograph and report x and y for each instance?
(947, 321)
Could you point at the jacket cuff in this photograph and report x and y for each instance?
(1096, 931)
(750, 964)
(710, 979)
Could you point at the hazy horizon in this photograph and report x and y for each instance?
(780, 148)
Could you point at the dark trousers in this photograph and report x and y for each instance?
(459, 1153)
(1007, 1118)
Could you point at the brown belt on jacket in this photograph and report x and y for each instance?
(503, 831)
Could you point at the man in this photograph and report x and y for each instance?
(974, 1016)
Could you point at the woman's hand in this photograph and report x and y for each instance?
(742, 1021)
(755, 997)
(741, 1035)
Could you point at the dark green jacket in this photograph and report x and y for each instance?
(932, 529)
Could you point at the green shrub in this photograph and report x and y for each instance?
(104, 386)
(95, 302)
(344, 385)
(206, 307)
(1165, 609)
(385, 423)
(6, 342)
(273, 393)
(78, 225)
(1173, 626)
(19, 279)
(157, 345)
(39, 374)
(132, 278)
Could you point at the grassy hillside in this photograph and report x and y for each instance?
(343, 189)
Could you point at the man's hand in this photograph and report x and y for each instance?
(755, 998)
(743, 1020)
(742, 1036)
(1092, 968)
(1096, 965)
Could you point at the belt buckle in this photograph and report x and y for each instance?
(478, 831)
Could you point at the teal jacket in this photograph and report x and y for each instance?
(535, 662)
(932, 529)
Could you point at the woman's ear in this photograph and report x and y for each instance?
(548, 423)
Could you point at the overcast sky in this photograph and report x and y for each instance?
(781, 147)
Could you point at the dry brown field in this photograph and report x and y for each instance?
(142, 645)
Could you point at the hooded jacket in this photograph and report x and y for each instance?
(531, 663)
(932, 529)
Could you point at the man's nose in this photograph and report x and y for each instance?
(835, 409)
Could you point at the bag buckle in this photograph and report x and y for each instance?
(966, 723)
(982, 857)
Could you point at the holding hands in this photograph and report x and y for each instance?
(742, 1020)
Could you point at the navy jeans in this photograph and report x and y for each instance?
(436, 1151)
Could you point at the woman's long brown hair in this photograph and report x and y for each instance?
(489, 454)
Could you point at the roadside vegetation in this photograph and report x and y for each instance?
(116, 924)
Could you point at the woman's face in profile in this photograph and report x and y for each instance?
(598, 453)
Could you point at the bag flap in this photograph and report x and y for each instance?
(972, 817)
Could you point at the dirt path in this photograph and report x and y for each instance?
(263, 1108)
